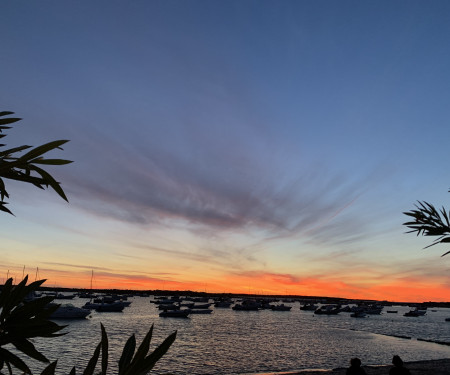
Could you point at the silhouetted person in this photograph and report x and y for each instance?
(398, 368)
(355, 367)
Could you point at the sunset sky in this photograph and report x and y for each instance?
(230, 146)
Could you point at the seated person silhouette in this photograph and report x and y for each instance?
(398, 368)
(355, 367)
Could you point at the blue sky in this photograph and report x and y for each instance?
(219, 142)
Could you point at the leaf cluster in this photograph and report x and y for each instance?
(26, 168)
(428, 221)
(21, 320)
(132, 361)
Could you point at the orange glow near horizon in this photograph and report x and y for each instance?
(413, 290)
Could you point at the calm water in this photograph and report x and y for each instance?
(249, 342)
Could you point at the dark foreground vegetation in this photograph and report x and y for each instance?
(22, 319)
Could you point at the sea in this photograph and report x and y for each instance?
(252, 342)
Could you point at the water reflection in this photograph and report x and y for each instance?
(244, 342)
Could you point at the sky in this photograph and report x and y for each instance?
(266, 147)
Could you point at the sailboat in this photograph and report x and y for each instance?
(89, 305)
(88, 294)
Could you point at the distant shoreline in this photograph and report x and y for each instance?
(429, 367)
(293, 297)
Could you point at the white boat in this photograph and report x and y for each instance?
(69, 311)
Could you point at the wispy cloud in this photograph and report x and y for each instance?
(86, 267)
(217, 192)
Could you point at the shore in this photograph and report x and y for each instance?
(432, 367)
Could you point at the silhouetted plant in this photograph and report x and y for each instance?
(24, 168)
(21, 320)
(428, 221)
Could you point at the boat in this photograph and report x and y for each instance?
(223, 304)
(200, 311)
(309, 307)
(358, 314)
(110, 307)
(246, 305)
(373, 310)
(64, 296)
(187, 304)
(174, 314)
(415, 312)
(69, 311)
(200, 299)
(281, 307)
(169, 307)
(86, 295)
(201, 306)
(91, 305)
(327, 310)
(165, 301)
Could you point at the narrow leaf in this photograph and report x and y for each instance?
(9, 357)
(9, 120)
(28, 348)
(40, 150)
(127, 354)
(157, 354)
(93, 361)
(50, 369)
(104, 350)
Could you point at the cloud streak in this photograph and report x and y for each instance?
(215, 192)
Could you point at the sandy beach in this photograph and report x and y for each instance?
(432, 367)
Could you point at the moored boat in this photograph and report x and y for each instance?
(200, 311)
(358, 314)
(201, 306)
(327, 310)
(110, 307)
(415, 313)
(309, 307)
(246, 305)
(69, 311)
(223, 304)
(175, 314)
